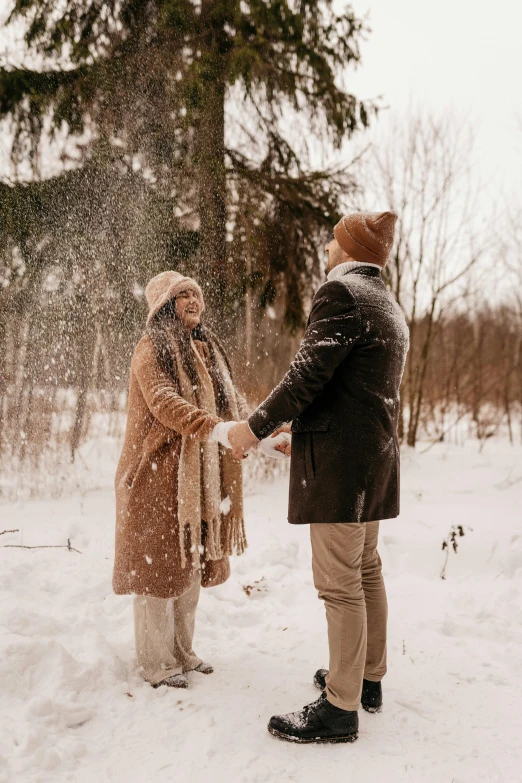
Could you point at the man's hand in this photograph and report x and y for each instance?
(284, 448)
(241, 439)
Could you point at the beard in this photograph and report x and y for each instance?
(335, 257)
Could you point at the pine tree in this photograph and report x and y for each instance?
(156, 75)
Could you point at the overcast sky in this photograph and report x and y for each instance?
(460, 54)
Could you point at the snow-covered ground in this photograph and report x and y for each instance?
(74, 708)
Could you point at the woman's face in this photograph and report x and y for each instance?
(188, 308)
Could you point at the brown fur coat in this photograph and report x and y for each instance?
(155, 555)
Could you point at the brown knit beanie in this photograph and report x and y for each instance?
(168, 285)
(367, 236)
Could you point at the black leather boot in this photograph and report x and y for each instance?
(317, 722)
(371, 697)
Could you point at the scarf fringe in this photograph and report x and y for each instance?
(223, 539)
(206, 474)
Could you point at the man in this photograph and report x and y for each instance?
(341, 394)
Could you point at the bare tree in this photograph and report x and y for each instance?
(422, 170)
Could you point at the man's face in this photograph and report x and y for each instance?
(335, 255)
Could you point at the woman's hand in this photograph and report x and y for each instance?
(241, 439)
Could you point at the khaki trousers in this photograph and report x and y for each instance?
(347, 573)
(164, 630)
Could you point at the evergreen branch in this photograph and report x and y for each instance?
(41, 87)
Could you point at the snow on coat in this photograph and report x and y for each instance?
(342, 395)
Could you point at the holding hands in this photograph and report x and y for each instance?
(240, 439)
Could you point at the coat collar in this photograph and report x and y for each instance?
(371, 270)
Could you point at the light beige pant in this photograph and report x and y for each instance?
(164, 630)
(347, 573)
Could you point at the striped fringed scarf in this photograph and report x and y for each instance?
(222, 476)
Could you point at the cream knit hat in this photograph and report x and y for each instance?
(167, 285)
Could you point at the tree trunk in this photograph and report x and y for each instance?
(26, 438)
(412, 379)
(20, 379)
(415, 412)
(477, 380)
(210, 162)
(89, 354)
(3, 379)
(248, 299)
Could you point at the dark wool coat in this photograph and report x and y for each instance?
(342, 395)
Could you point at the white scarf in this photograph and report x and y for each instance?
(222, 475)
(348, 266)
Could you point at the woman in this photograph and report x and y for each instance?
(178, 493)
